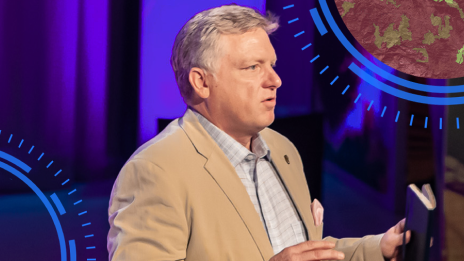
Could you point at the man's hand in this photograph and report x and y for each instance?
(392, 240)
(309, 251)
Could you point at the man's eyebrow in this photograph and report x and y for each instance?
(262, 61)
(252, 60)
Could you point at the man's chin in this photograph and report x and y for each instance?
(267, 121)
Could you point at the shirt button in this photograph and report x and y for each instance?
(250, 157)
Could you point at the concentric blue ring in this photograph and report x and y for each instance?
(14, 166)
(402, 94)
(44, 200)
(372, 67)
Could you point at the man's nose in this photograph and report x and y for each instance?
(273, 79)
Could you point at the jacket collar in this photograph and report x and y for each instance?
(222, 171)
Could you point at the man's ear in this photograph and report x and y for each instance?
(197, 78)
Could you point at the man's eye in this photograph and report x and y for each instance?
(252, 67)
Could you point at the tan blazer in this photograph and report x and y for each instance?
(179, 198)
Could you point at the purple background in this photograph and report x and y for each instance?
(86, 81)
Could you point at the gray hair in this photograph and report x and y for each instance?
(196, 43)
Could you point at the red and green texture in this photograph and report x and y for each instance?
(423, 38)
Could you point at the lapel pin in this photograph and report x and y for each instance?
(286, 159)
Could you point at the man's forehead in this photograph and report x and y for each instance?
(249, 46)
(250, 39)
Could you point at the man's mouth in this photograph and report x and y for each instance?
(269, 99)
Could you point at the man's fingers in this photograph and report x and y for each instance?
(313, 250)
(399, 228)
(323, 254)
(312, 245)
(400, 237)
(408, 236)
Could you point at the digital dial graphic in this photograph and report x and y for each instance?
(327, 19)
(67, 227)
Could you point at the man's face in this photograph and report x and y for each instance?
(243, 96)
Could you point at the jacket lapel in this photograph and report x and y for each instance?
(295, 187)
(222, 171)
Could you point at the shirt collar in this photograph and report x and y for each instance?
(234, 151)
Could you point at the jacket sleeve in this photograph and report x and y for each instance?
(147, 215)
(359, 249)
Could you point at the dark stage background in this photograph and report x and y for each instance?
(88, 81)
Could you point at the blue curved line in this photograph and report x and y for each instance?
(401, 94)
(58, 204)
(72, 250)
(372, 67)
(45, 201)
(15, 161)
(317, 20)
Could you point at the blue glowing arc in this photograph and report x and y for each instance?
(15, 161)
(372, 67)
(318, 21)
(42, 197)
(401, 94)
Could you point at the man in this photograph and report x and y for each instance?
(217, 184)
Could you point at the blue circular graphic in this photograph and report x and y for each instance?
(374, 72)
(388, 76)
(53, 204)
